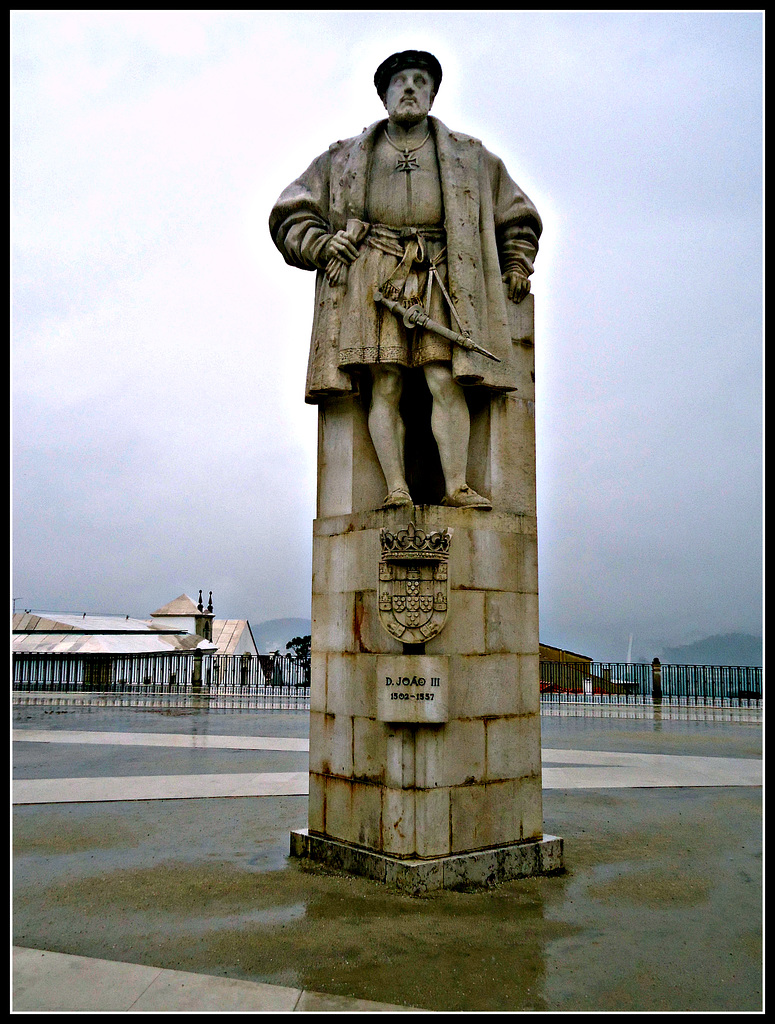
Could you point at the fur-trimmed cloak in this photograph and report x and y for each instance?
(491, 226)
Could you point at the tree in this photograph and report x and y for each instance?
(300, 647)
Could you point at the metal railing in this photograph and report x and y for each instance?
(245, 679)
(617, 683)
(236, 679)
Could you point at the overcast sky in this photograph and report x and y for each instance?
(161, 442)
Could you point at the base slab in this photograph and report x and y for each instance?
(474, 870)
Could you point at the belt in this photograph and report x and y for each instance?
(409, 246)
(395, 241)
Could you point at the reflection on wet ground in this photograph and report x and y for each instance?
(660, 908)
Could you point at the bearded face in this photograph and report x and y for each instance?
(409, 96)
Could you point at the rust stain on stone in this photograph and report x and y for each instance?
(358, 618)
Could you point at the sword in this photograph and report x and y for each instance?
(415, 316)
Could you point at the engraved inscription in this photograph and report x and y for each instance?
(412, 688)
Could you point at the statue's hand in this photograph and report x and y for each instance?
(518, 285)
(342, 248)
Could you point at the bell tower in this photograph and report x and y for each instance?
(204, 619)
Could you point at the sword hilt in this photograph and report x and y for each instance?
(415, 316)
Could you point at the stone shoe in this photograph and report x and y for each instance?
(395, 499)
(466, 497)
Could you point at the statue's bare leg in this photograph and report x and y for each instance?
(387, 430)
(451, 425)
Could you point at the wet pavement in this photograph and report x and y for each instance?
(660, 907)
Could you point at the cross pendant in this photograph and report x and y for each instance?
(407, 163)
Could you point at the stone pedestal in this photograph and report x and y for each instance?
(425, 759)
(475, 870)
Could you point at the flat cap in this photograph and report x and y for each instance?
(406, 59)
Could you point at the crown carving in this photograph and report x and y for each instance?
(413, 545)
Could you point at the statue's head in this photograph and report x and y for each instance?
(407, 84)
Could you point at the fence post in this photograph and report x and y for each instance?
(656, 681)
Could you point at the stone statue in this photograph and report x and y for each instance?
(419, 238)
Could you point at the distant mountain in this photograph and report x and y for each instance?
(274, 634)
(723, 649)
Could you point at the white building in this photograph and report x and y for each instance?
(73, 633)
(177, 627)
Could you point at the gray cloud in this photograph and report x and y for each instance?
(161, 442)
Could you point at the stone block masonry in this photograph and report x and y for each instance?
(458, 776)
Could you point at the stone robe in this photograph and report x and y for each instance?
(491, 226)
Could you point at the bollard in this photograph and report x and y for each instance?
(656, 681)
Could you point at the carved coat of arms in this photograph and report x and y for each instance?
(413, 587)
